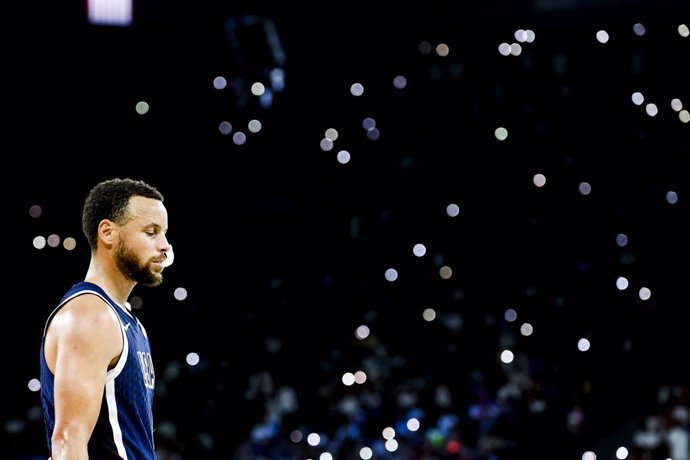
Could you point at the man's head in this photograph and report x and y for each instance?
(109, 200)
(128, 217)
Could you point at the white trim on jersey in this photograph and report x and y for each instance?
(110, 376)
(112, 417)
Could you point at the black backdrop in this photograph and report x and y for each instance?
(276, 239)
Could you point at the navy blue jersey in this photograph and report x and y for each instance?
(124, 429)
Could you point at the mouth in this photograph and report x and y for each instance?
(159, 263)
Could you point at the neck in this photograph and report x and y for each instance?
(109, 279)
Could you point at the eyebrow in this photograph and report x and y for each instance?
(154, 226)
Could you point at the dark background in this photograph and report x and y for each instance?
(283, 250)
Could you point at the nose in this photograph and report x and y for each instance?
(169, 255)
(165, 244)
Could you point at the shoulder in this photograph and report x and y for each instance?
(87, 314)
(88, 305)
(88, 328)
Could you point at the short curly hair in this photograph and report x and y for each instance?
(109, 200)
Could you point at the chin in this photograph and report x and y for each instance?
(152, 282)
(156, 279)
(150, 278)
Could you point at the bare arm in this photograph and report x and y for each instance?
(84, 340)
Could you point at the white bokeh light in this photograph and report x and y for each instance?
(419, 250)
(391, 274)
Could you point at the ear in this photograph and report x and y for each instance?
(107, 231)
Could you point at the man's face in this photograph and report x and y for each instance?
(142, 245)
(134, 267)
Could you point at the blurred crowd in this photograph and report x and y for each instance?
(392, 412)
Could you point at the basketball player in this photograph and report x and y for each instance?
(96, 372)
